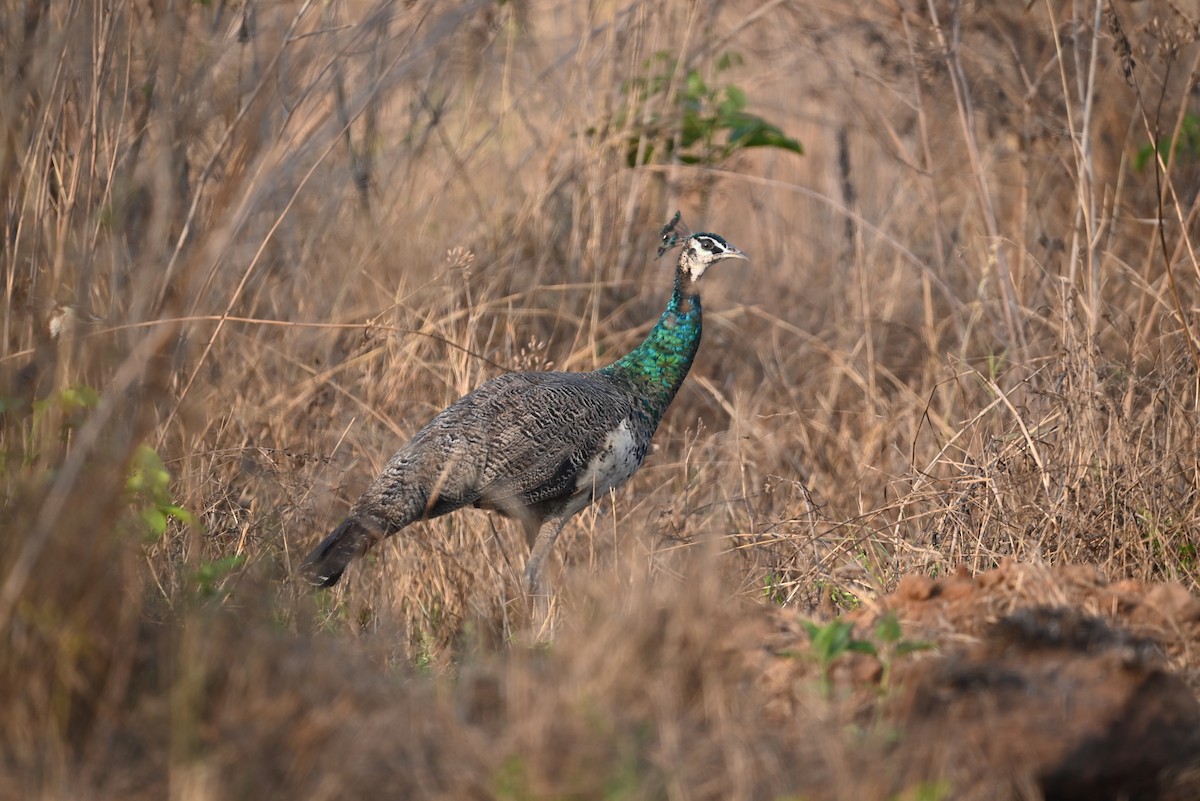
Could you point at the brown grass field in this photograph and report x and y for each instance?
(250, 247)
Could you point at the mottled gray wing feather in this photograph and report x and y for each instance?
(516, 441)
(541, 430)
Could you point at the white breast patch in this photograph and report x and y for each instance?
(613, 465)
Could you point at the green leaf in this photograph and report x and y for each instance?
(888, 629)
(177, 512)
(735, 101)
(149, 476)
(156, 522)
(730, 59)
(1144, 154)
(925, 791)
(1186, 147)
(913, 646)
(210, 574)
(693, 130)
(78, 396)
(862, 647)
(831, 640)
(767, 135)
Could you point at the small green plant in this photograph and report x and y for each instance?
(627, 774)
(46, 421)
(925, 791)
(76, 398)
(510, 781)
(1169, 542)
(701, 124)
(53, 419)
(892, 646)
(424, 656)
(148, 488)
(773, 589)
(212, 574)
(830, 641)
(840, 597)
(1187, 146)
(1187, 555)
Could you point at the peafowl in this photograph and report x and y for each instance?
(535, 446)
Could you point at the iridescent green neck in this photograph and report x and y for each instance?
(657, 367)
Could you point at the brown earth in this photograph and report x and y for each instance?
(1091, 697)
(1039, 683)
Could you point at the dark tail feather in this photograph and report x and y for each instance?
(325, 565)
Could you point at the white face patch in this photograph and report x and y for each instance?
(612, 466)
(696, 261)
(702, 250)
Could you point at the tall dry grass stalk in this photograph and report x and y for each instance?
(275, 239)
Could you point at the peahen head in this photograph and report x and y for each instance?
(702, 250)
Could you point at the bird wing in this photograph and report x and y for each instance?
(543, 429)
(517, 441)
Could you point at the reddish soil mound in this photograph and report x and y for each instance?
(1045, 681)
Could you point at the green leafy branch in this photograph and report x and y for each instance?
(1186, 146)
(148, 488)
(700, 124)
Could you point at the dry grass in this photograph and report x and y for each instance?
(280, 237)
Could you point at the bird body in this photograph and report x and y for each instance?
(535, 446)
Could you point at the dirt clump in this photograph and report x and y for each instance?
(1057, 697)
(1047, 681)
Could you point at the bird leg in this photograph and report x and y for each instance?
(541, 547)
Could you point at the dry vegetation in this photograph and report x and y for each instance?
(275, 238)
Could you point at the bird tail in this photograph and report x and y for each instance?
(325, 565)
